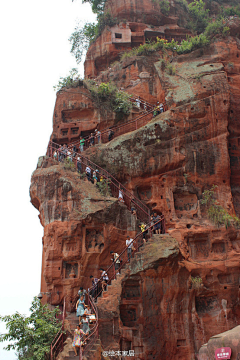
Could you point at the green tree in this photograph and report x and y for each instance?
(97, 5)
(84, 35)
(165, 7)
(80, 39)
(198, 15)
(71, 80)
(31, 336)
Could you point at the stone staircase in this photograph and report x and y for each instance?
(114, 304)
(138, 256)
(71, 323)
(143, 259)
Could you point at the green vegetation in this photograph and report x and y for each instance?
(31, 336)
(186, 46)
(231, 11)
(104, 187)
(84, 35)
(196, 282)
(183, 4)
(216, 213)
(107, 97)
(80, 40)
(150, 47)
(199, 16)
(171, 69)
(192, 43)
(69, 165)
(165, 7)
(217, 28)
(72, 80)
(97, 5)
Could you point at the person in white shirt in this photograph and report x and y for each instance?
(129, 244)
(88, 173)
(105, 279)
(138, 102)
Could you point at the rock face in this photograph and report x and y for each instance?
(136, 303)
(228, 339)
(74, 115)
(79, 228)
(137, 22)
(183, 287)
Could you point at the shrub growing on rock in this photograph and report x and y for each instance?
(106, 96)
(216, 213)
(72, 80)
(165, 7)
(198, 15)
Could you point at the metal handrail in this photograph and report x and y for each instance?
(94, 334)
(124, 252)
(143, 211)
(58, 340)
(133, 98)
(115, 128)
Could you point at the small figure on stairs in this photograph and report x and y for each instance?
(80, 308)
(129, 244)
(105, 279)
(144, 231)
(120, 195)
(116, 261)
(82, 292)
(157, 227)
(85, 324)
(77, 338)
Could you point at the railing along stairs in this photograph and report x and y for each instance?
(57, 343)
(131, 125)
(142, 103)
(123, 257)
(130, 200)
(142, 212)
(91, 339)
(117, 130)
(137, 242)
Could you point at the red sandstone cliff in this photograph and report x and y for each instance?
(152, 307)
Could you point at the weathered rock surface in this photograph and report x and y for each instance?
(138, 22)
(80, 228)
(154, 306)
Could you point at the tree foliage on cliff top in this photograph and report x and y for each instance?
(97, 5)
(31, 336)
(70, 81)
(84, 35)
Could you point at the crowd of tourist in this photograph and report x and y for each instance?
(159, 109)
(83, 311)
(85, 318)
(99, 285)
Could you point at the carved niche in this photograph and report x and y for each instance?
(94, 241)
(71, 246)
(70, 270)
